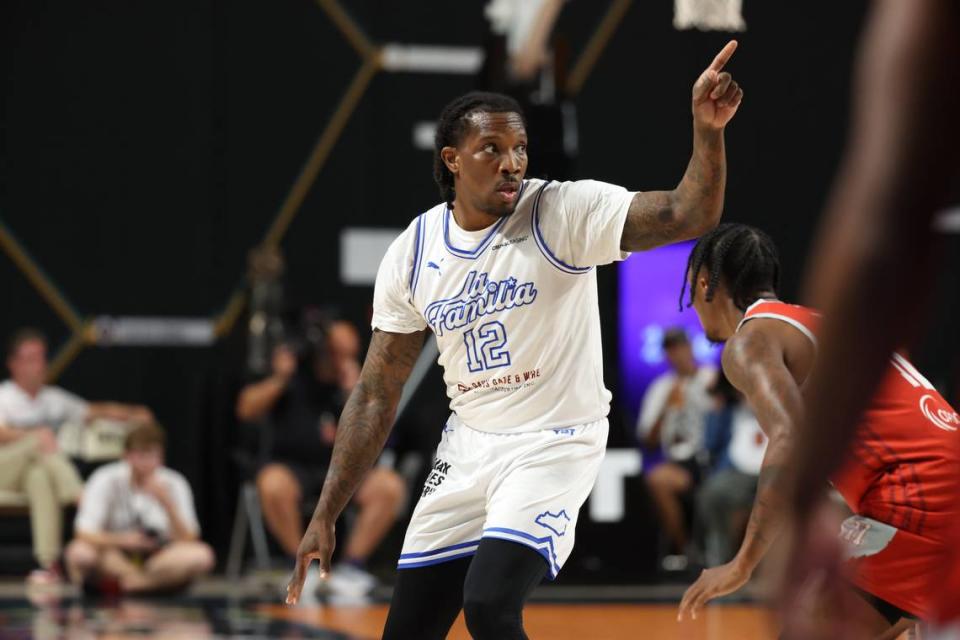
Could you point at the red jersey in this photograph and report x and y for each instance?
(903, 469)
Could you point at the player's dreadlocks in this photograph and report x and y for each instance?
(454, 123)
(743, 256)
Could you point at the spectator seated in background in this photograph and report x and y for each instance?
(300, 403)
(31, 413)
(736, 444)
(137, 528)
(672, 419)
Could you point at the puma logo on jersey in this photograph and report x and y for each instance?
(479, 296)
(556, 522)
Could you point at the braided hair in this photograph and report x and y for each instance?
(454, 123)
(745, 257)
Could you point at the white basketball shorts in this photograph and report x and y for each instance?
(523, 487)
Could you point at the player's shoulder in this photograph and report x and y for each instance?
(407, 243)
(770, 305)
(753, 342)
(775, 316)
(432, 215)
(575, 195)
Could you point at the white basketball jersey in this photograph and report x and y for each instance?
(513, 306)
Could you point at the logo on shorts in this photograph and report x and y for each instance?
(854, 529)
(437, 475)
(943, 418)
(556, 522)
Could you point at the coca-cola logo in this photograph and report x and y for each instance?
(944, 418)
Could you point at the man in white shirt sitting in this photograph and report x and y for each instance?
(31, 412)
(137, 528)
(28, 402)
(672, 419)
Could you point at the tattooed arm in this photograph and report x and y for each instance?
(754, 363)
(657, 218)
(361, 433)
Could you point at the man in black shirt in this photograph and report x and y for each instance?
(300, 403)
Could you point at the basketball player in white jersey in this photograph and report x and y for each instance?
(502, 273)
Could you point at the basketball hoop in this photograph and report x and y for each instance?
(709, 15)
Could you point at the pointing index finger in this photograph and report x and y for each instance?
(723, 57)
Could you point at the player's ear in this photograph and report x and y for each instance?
(703, 282)
(451, 158)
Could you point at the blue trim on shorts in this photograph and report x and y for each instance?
(551, 559)
(432, 561)
(433, 552)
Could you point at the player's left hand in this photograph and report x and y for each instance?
(317, 544)
(712, 583)
(716, 95)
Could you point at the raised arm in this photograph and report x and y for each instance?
(754, 364)
(361, 434)
(691, 209)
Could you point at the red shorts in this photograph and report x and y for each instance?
(906, 570)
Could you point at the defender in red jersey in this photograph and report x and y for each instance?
(901, 476)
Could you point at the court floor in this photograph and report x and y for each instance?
(221, 610)
(205, 618)
(573, 621)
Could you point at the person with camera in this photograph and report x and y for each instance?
(300, 403)
(136, 528)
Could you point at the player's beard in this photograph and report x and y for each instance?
(501, 211)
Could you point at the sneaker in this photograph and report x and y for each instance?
(350, 581)
(49, 577)
(44, 587)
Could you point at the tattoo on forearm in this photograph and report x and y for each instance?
(368, 417)
(656, 218)
(767, 511)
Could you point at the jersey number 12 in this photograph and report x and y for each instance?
(486, 347)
